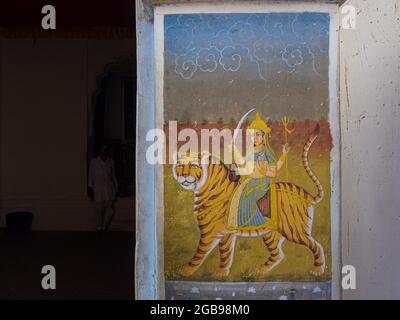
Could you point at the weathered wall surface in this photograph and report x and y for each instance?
(147, 257)
(370, 115)
(370, 112)
(47, 87)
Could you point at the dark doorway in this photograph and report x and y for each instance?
(114, 121)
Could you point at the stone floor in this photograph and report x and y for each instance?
(92, 265)
(191, 290)
(89, 265)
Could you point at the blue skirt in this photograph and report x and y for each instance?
(248, 214)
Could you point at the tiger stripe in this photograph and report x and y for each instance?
(320, 195)
(273, 242)
(294, 209)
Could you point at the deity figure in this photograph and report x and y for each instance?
(251, 206)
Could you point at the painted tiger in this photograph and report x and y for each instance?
(212, 191)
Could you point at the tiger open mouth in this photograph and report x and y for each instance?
(187, 182)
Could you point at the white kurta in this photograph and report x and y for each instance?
(102, 179)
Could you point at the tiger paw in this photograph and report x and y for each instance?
(263, 269)
(222, 272)
(317, 270)
(186, 270)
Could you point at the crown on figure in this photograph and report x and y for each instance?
(259, 124)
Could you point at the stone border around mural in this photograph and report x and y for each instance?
(149, 257)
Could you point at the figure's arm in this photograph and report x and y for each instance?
(243, 166)
(114, 178)
(238, 159)
(273, 171)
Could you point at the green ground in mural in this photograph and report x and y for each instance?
(182, 235)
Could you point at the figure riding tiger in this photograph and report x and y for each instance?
(251, 206)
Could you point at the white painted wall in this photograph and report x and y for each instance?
(370, 120)
(150, 226)
(370, 114)
(46, 88)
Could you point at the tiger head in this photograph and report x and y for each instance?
(190, 171)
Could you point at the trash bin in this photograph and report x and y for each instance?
(19, 222)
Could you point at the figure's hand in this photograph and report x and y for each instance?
(237, 156)
(285, 149)
(260, 163)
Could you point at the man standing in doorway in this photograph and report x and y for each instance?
(102, 187)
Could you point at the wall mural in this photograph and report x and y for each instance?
(266, 72)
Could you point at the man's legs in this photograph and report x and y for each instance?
(99, 215)
(108, 214)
